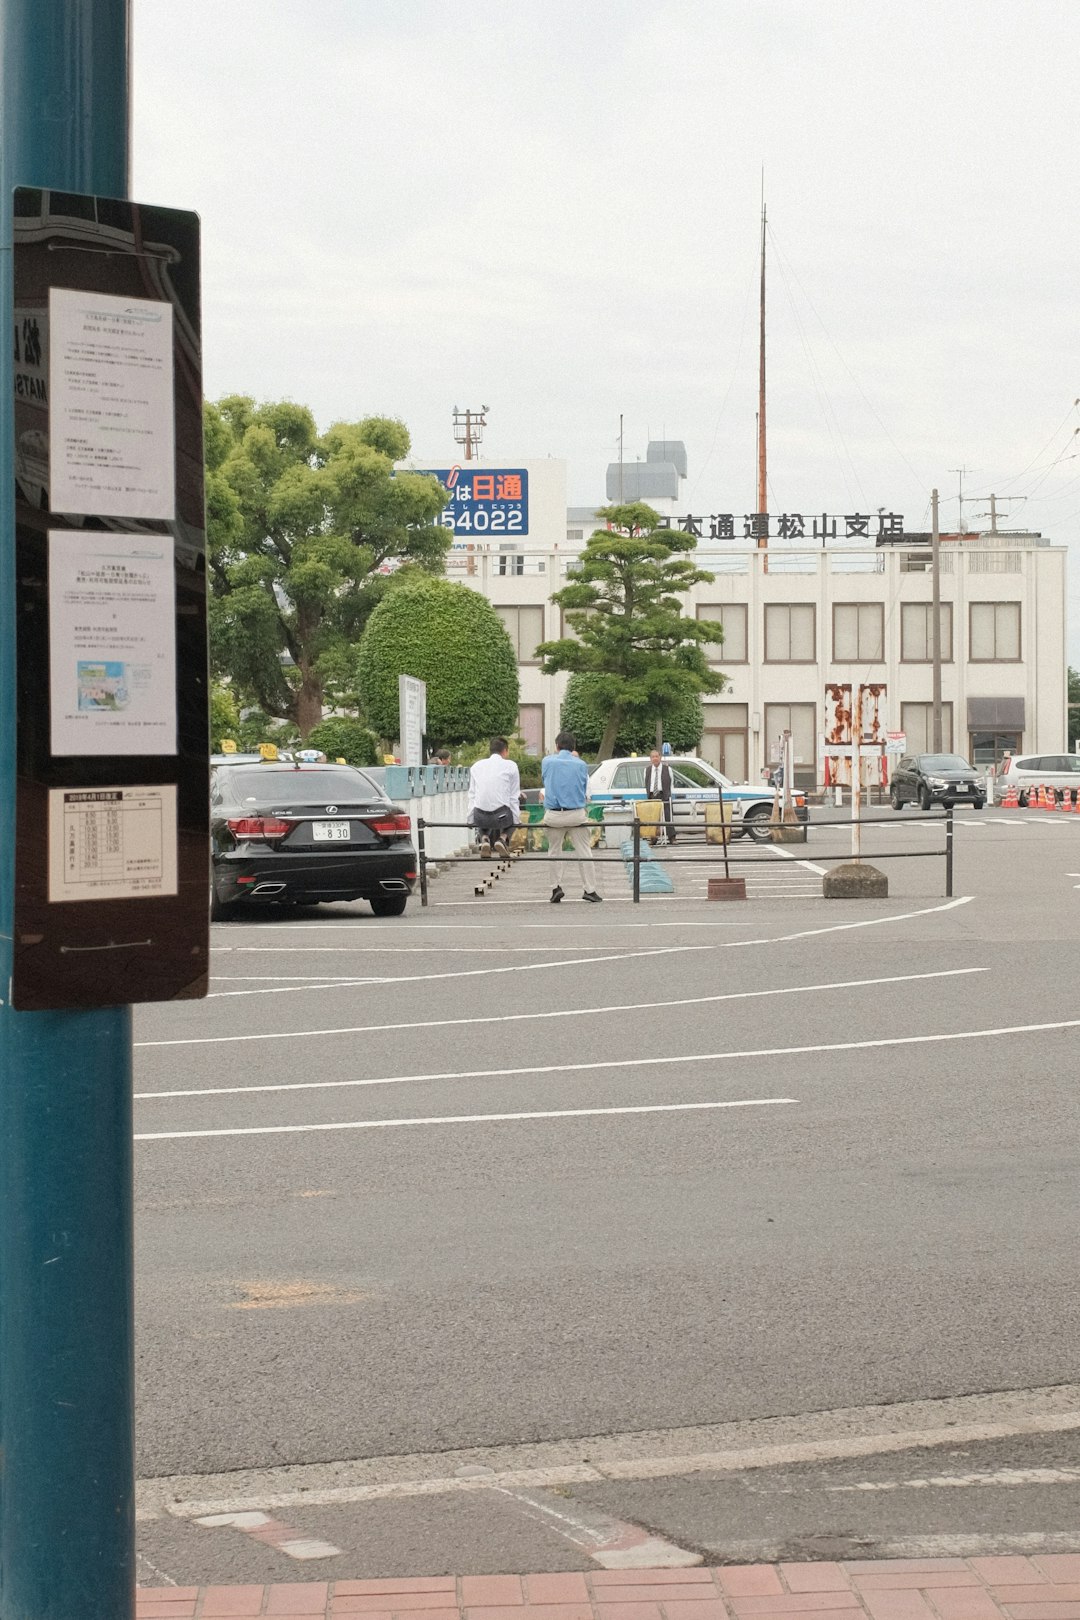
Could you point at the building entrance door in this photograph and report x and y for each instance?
(728, 751)
(987, 748)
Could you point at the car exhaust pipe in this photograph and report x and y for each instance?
(268, 888)
(395, 885)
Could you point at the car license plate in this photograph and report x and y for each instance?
(331, 832)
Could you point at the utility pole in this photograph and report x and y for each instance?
(935, 611)
(469, 428)
(67, 1530)
(993, 514)
(622, 493)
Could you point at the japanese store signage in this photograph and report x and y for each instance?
(491, 500)
(823, 526)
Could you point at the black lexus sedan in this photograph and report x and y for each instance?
(305, 833)
(927, 779)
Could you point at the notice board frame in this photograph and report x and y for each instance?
(140, 946)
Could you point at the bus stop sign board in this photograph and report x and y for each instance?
(112, 743)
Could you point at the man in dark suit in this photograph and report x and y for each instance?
(658, 786)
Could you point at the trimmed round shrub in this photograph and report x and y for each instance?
(450, 637)
(342, 738)
(585, 714)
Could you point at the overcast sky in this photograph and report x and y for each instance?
(551, 207)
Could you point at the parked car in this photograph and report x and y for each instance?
(694, 782)
(1039, 770)
(927, 779)
(304, 834)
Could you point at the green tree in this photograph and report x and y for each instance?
(340, 737)
(585, 712)
(304, 531)
(224, 714)
(1074, 707)
(529, 765)
(632, 638)
(452, 638)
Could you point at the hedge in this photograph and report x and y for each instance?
(452, 638)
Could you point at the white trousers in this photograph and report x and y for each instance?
(574, 822)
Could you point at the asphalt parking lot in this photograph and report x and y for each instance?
(467, 1188)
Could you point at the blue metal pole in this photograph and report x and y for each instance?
(66, 1338)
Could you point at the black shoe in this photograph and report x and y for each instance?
(556, 895)
(591, 894)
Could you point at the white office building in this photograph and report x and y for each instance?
(799, 617)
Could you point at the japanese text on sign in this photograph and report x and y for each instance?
(112, 843)
(492, 501)
(790, 526)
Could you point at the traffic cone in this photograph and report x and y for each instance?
(1044, 802)
(1051, 799)
(1066, 801)
(1011, 801)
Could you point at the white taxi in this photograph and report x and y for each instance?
(694, 783)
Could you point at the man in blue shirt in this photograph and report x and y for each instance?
(566, 783)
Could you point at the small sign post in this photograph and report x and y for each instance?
(412, 718)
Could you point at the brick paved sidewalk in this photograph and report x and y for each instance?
(1005, 1588)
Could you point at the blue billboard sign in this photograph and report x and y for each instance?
(489, 501)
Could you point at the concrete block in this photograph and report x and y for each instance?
(855, 880)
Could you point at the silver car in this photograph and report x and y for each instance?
(1032, 771)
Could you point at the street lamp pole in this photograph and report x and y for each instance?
(66, 1314)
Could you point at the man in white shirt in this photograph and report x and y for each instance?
(658, 786)
(494, 795)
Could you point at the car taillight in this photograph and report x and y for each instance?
(392, 826)
(260, 827)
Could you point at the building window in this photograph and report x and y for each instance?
(525, 626)
(531, 727)
(575, 534)
(994, 633)
(917, 632)
(790, 633)
(917, 724)
(801, 720)
(858, 633)
(731, 617)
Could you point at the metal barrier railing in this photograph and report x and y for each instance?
(723, 848)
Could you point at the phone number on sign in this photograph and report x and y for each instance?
(483, 520)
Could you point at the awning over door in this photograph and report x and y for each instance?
(995, 713)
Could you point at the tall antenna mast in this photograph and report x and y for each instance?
(762, 471)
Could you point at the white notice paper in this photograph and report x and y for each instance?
(111, 843)
(111, 414)
(112, 643)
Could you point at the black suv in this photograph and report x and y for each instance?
(306, 833)
(927, 779)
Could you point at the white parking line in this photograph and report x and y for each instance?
(530, 967)
(651, 1062)
(561, 1012)
(462, 1119)
(464, 973)
(583, 927)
